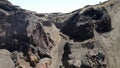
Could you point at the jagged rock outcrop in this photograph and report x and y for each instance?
(81, 25)
(85, 38)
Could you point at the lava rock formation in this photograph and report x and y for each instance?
(85, 38)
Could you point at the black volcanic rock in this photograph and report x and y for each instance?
(81, 25)
(21, 31)
(5, 1)
(85, 38)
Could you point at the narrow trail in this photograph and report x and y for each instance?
(98, 37)
(57, 52)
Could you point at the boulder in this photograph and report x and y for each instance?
(5, 59)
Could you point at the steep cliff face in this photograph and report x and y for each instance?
(84, 38)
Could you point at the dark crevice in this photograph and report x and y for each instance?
(65, 57)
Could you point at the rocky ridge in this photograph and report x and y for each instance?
(85, 38)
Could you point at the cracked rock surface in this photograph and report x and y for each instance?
(85, 38)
